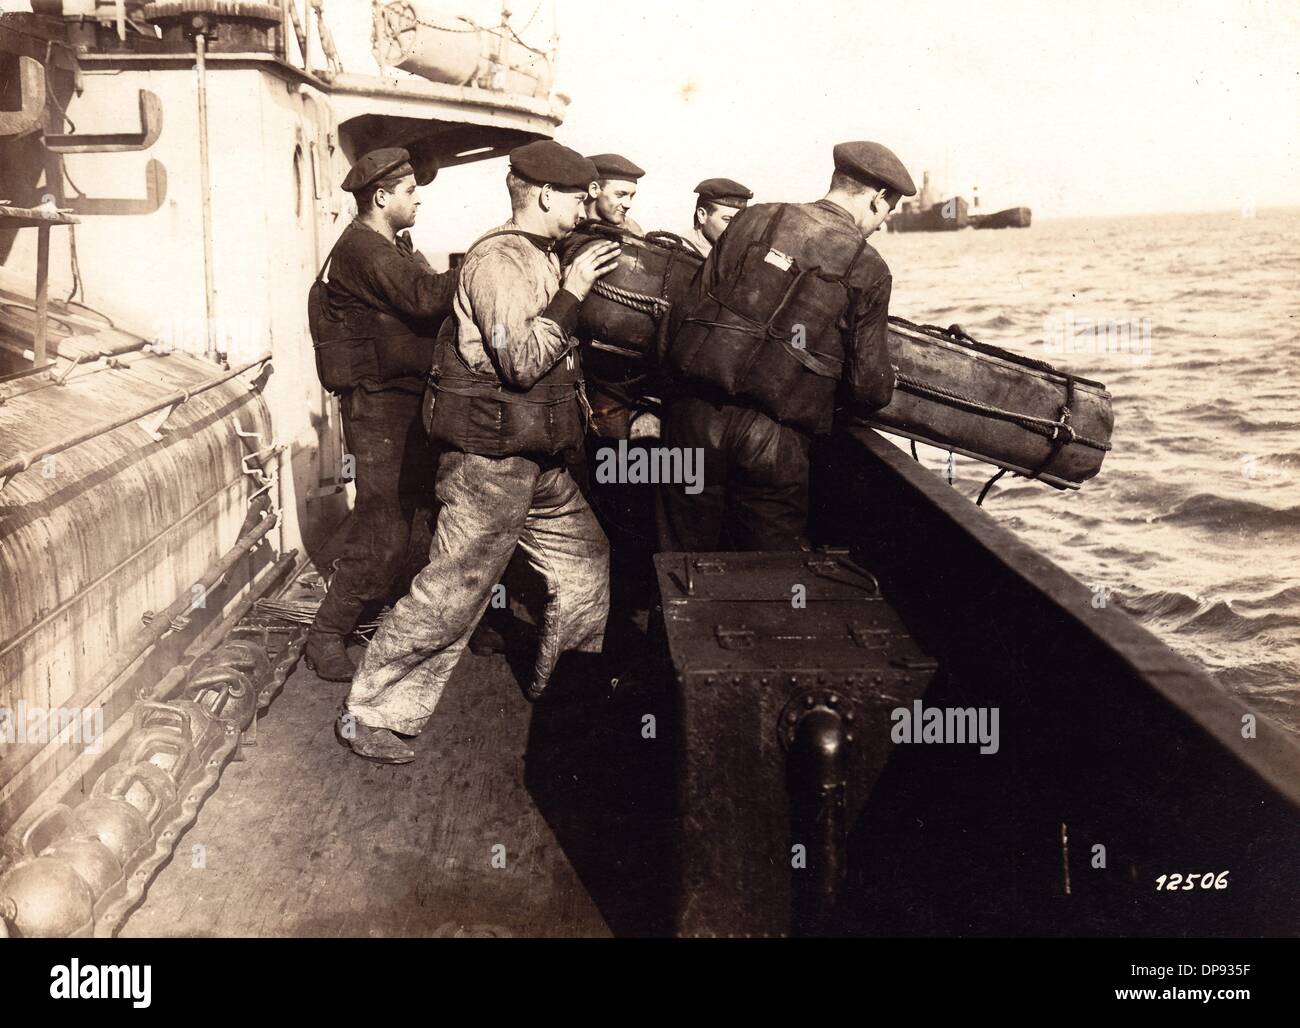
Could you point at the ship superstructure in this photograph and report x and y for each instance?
(170, 175)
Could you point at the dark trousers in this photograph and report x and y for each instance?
(394, 472)
(755, 494)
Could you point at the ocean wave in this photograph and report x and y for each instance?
(1283, 598)
(1225, 417)
(1206, 558)
(1269, 684)
(1162, 605)
(1218, 618)
(1229, 512)
(1203, 294)
(999, 321)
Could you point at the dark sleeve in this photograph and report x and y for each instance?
(563, 310)
(870, 374)
(405, 285)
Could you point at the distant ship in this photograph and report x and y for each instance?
(946, 216)
(925, 214)
(1012, 217)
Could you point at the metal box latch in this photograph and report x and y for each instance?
(734, 638)
(867, 637)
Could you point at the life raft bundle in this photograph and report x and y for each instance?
(982, 401)
(952, 391)
(627, 309)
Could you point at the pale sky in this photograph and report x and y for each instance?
(1101, 107)
(1093, 107)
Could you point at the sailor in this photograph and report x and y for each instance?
(612, 191)
(613, 382)
(716, 202)
(508, 413)
(788, 317)
(381, 304)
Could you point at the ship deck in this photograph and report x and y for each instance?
(304, 839)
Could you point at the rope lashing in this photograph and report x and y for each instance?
(956, 334)
(652, 306)
(989, 485)
(1045, 427)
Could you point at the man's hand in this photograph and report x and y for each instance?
(643, 425)
(592, 263)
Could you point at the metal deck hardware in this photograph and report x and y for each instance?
(115, 142)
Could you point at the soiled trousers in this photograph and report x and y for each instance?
(489, 506)
(393, 469)
(755, 494)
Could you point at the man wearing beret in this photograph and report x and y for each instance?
(613, 381)
(787, 326)
(612, 191)
(508, 415)
(379, 310)
(716, 202)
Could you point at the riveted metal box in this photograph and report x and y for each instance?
(787, 668)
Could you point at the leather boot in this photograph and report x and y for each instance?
(377, 744)
(328, 657)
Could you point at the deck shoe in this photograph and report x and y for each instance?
(328, 657)
(377, 744)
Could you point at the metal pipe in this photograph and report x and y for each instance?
(145, 637)
(83, 765)
(176, 527)
(283, 529)
(205, 185)
(817, 776)
(160, 624)
(168, 685)
(284, 30)
(42, 291)
(23, 461)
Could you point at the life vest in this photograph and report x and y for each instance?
(475, 412)
(361, 344)
(772, 333)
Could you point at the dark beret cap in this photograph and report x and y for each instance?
(725, 191)
(547, 161)
(376, 165)
(871, 162)
(612, 165)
